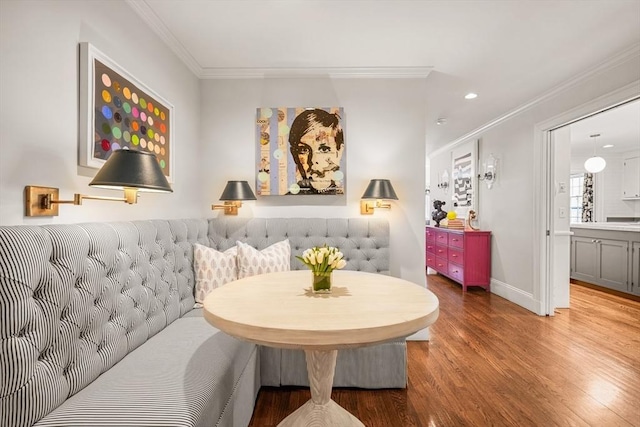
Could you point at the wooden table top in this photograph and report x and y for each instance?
(280, 310)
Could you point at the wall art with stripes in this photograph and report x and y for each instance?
(300, 151)
(464, 184)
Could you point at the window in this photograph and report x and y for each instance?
(576, 183)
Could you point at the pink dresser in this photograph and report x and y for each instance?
(462, 256)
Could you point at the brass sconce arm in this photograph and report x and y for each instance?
(367, 206)
(230, 207)
(44, 201)
(129, 171)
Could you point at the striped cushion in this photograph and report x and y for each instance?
(189, 374)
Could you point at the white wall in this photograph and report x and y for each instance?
(384, 138)
(39, 106)
(608, 186)
(508, 210)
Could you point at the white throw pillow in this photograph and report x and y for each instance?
(251, 261)
(212, 269)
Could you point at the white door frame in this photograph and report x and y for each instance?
(543, 180)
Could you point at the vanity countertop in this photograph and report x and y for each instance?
(613, 226)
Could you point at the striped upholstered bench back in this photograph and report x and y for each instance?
(75, 299)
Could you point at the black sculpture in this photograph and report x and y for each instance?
(438, 214)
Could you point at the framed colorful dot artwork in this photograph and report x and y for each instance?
(300, 151)
(117, 111)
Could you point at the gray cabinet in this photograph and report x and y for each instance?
(606, 258)
(600, 261)
(635, 268)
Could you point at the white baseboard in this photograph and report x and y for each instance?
(421, 335)
(515, 295)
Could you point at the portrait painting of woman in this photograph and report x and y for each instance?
(305, 150)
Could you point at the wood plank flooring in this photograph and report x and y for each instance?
(493, 363)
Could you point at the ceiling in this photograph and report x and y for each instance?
(508, 52)
(618, 126)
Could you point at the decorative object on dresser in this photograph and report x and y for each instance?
(453, 222)
(471, 216)
(462, 256)
(437, 214)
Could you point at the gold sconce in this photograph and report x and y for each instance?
(233, 194)
(377, 191)
(127, 170)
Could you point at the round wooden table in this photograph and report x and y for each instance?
(280, 310)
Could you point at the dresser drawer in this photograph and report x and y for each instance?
(456, 272)
(431, 260)
(431, 236)
(455, 255)
(431, 248)
(456, 240)
(442, 237)
(441, 265)
(441, 251)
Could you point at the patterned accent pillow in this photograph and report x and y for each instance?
(251, 261)
(212, 269)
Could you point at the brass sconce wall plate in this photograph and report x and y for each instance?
(35, 201)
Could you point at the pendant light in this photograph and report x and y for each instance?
(595, 164)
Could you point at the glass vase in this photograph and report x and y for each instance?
(321, 282)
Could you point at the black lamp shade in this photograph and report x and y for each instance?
(237, 190)
(132, 169)
(380, 189)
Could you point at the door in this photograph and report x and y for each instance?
(583, 259)
(612, 263)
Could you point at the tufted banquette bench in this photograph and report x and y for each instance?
(97, 325)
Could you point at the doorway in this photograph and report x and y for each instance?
(555, 137)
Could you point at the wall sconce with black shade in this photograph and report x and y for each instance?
(444, 181)
(490, 171)
(377, 191)
(127, 170)
(233, 195)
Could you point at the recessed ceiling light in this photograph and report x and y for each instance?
(608, 146)
(471, 95)
(441, 121)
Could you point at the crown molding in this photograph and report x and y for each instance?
(142, 8)
(315, 72)
(155, 23)
(632, 52)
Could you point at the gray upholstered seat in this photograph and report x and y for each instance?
(174, 379)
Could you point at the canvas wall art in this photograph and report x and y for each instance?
(300, 151)
(464, 180)
(118, 111)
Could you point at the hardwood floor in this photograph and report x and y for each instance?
(493, 363)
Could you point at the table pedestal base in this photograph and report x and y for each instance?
(321, 411)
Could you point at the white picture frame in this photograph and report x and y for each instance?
(464, 178)
(118, 111)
